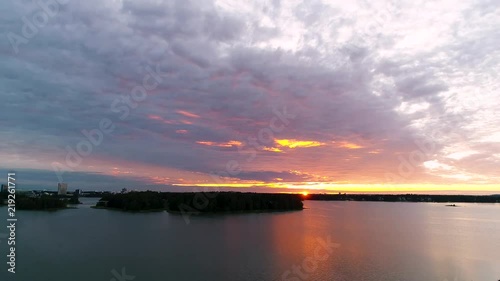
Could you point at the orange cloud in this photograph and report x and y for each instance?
(220, 144)
(293, 143)
(116, 172)
(155, 117)
(348, 145)
(187, 114)
(159, 118)
(229, 184)
(160, 180)
(272, 149)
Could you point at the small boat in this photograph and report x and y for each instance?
(451, 205)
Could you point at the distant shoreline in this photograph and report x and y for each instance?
(415, 198)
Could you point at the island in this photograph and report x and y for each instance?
(201, 202)
(41, 202)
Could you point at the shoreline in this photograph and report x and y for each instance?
(128, 211)
(231, 212)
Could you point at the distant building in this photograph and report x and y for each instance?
(62, 188)
(32, 194)
(78, 192)
(4, 188)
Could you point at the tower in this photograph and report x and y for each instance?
(62, 188)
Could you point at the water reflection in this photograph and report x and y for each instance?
(378, 241)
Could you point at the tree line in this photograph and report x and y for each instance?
(45, 202)
(26, 201)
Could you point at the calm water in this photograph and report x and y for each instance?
(376, 241)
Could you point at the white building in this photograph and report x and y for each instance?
(62, 188)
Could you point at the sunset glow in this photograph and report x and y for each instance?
(220, 144)
(272, 149)
(187, 114)
(348, 145)
(293, 143)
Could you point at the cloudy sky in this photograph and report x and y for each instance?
(317, 94)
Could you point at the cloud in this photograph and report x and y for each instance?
(368, 82)
(293, 143)
(272, 176)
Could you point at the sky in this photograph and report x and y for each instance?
(326, 96)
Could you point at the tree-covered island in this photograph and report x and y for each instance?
(201, 202)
